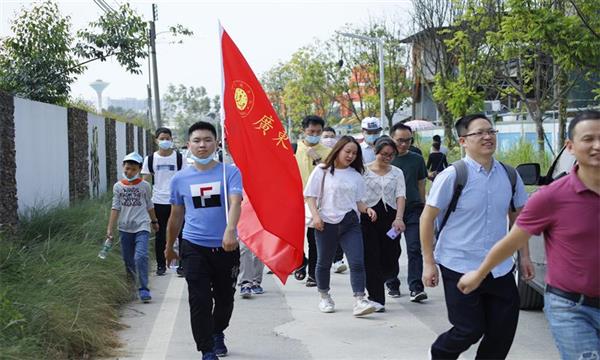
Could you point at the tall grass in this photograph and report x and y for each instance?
(58, 300)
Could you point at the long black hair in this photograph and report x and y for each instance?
(357, 164)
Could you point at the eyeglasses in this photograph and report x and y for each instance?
(386, 155)
(401, 140)
(482, 133)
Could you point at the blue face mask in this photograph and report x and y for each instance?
(165, 144)
(136, 176)
(201, 161)
(372, 138)
(313, 139)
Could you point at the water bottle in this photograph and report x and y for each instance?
(108, 243)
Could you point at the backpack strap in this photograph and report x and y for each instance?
(512, 176)
(460, 181)
(179, 160)
(151, 163)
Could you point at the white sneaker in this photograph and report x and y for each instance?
(327, 305)
(378, 307)
(363, 307)
(339, 267)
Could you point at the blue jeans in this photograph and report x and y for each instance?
(349, 235)
(134, 248)
(575, 327)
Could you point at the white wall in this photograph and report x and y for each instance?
(135, 140)
(121, 147)
(42, 155)
(95, 121)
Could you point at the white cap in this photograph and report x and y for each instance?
(371, 123)
(134, 157)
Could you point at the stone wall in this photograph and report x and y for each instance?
(111, 152)
(140, 138)
(129, 138)
(78, 154)
(8, 182)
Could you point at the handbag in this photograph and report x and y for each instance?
(308, 218)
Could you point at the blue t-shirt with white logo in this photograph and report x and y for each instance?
(201, 192)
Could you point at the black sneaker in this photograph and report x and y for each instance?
(180, 271)
(392, 290)
(160, 271)
(418, 296)
(209, 356)
(310, 282)
(219, 344)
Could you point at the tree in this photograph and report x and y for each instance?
(540, 51)
(122, 34)
(184, 106)
(40, 61)
(432, 58)
(37, 61)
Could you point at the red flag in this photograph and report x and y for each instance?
(272, 219)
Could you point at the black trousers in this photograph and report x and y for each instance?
(491, 311)
(381, 260)
(312, 252)
(160, 239)
(211, 275)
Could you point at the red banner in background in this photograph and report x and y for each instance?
(272, 219)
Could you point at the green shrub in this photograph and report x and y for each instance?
(58, 299)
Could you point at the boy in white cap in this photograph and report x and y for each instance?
(132, 206)
(371, 129)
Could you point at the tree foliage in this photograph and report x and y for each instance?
(121, 33)
(184, 106)
(534, 50)
(42, 58)
(340, 75)
(37, 61)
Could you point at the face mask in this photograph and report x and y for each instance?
(372, 138)
(202, 161)
(313, 139)
(136, 176)
(165, 144)
(329, 142)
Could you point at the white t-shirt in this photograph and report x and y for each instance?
(341, 192)
(368, 152)
(164, 169)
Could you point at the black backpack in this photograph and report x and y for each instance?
(151, 162)
(462, 175)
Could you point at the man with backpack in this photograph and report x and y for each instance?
(471, 202)
(161, 166)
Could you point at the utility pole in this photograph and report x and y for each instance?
(154, 66)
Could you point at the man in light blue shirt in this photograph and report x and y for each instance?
(480, 220)
(210, 253)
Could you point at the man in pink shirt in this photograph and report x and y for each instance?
(567, 212)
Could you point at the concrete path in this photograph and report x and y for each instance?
(285, 323)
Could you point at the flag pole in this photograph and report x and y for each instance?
(222, 120)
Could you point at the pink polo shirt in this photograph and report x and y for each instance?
(568, 214)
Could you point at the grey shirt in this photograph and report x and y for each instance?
(133, 202)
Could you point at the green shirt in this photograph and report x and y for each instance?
(413, 167)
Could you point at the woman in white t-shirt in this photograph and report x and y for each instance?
(386, 194)
(334, 193)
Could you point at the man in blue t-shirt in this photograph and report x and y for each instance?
(210, 253)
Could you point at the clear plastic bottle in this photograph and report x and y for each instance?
(108, 243)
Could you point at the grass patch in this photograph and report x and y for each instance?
(58, 300)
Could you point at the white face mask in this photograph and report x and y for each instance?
(136, 176)
(201, 161)
(329, 142)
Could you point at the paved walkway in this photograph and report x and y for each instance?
(285, 323)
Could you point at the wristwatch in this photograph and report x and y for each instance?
(154, 222)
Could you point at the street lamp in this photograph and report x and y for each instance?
(379, 43)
